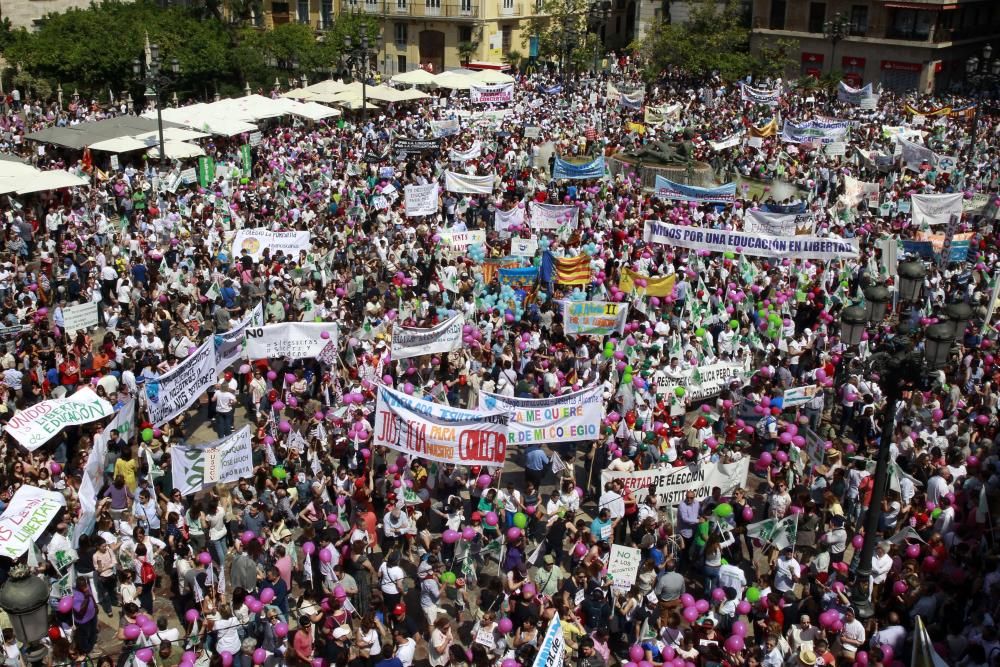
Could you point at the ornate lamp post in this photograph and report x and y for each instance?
(25, 598)
(835, 30)
(156, 80)
(357, 57)
(982, 75)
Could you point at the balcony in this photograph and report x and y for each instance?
(421, 9)
(509, 9)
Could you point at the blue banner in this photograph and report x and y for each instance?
(634, 102)
(959, 251)
(667, 189)
(923, 249)
(552, 90)
(566, 170)
(793, 208)
(522, 278)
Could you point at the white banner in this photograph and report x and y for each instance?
(593, 318)
(552, 651)
(33, 426)
(914, 155)
(504, 220)
(553, 216)
(173, 392)
(496, 93)
(290, 340)
(229, 345)
(26, 517)
(458, 242)
(779, 224)
(476, 185)
(445, 337)
(524, 247)
(255, 241)
(701, 382)
(673, 483)
(421, 199)
(83, 316)
(439, 432)
(728, 142)
(935, 209)
(758, 245)
(93, 471)
(567, 418)
(198, 467)
(855, 191)
(623, 567)
(797, 396)
(472, 153)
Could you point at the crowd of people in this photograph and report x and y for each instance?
(334, 551)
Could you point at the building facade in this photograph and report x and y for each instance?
(907, 45)
(27, 13)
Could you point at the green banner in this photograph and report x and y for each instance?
(206, 171)
(247, 159)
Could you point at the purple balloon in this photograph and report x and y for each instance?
(505, 625)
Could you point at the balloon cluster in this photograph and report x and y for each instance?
(476, 253)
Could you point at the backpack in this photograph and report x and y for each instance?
(147, 573)
(762, 426)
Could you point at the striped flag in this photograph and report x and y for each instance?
(573, 270)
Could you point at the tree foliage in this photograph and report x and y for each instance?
(562, 30)
(92, 49)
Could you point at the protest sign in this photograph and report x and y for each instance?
(568, 418)
(797, 396)
(569, 171)
(458, 242)
(198, 467)
(856, 191)
(35, 425)
(524, 247)
(935, 209)
(673, 483)
(813, 131)
(495, 93)
(701, 382)
(93, 470)
(504, 220)
(463, 183)
(441, 129)
(290, 340)
(520, 278)
(406, 147)
(593, 318)
(855, 96)
(553, 216)
(255, 241)
(658, 286)
(445, 337)
(80, 317)
(174, 391)
(760, 95)
(26, 517)
(779, 533)
(758, 245)
(552, 651)
(623, 567)
(229, 345)
(439, 433)
(779, 224)
(421, 199)
(474, 151)
(667, 189)
(915, 155)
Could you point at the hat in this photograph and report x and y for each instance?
(476, 516)
(549, 560)
(425, 569)
(807, 657)
(837, 521)
(341, 632)
(280, 533)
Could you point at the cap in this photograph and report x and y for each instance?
(807, 657)
(341, 633)
(549, 560)
(476, 516)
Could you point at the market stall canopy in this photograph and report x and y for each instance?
(307, 110)
(412, 94)
(119, 145)
(169, 134)
(418, 77)
(85, 134)
(41, 180)
(492, 76)
(354, 103)
(177, 150)
(454, 81)
(201, 117)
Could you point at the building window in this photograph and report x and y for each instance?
(506, 33)
(910, 24)
(432, 4)
(465, 34)
(303, 11)
(400, 63)
(466, 6)
(508, 4)
(326, 13)
(279, 13)
(777, 20)
(817, 16)
(859, 20)
(618, 25)
(402, 37)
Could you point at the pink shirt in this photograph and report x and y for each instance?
(284, 567)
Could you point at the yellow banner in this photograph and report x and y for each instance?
(942, 111)
(658, 286)
(769, 130)
(638, 128)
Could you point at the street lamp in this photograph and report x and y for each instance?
(25, 599)
(876, 301)
(156, 81)
(899, 367)
(980, 75)
(357, 57)
(958, 315)
(853, 322)
(835, 30)
(598, 14)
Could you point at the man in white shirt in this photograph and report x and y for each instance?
(937, 486)
(225, 404)
(787, 571)
(852, 636)
(405, 646)
(803, 635)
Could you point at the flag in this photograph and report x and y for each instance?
(924, 654)
(148, 52)
(780, 533)
(768, 130)
(88, 161)
(573, 270)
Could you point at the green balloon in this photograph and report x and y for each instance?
(628, 369)
(723, 510)
(679, 391)
(753, 594)
(608, 353)
(521, 520)
(734, 325)
(936, 513)
(448, 577)
(147, 434)
(699, 332)
(279, 472)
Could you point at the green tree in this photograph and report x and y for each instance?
(715, 39)
(774, 58)
(562, 30)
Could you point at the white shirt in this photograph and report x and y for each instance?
(785, 572)
(406, 650)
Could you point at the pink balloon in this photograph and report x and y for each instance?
(308, 548)
(325, 555)
(858, 540)
(266, 595)
(740, 628)
(690, 614)
(491, 519)
(280, 629)
(735, 643)
(579, 550)
(687, 600)
(636, 652)
(131, 631)
(144, 654)
(748, 513)
(191, 615)
(505, 625)
(204, 558)
(742, 608)
(899, 587)
(227, 658)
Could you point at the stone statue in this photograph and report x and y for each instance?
(666, 152)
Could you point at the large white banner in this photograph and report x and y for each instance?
(438, 432)
(593, 318)
(33, 426)
(229, 345)
(82, 316)
(474, 151)
(93, 471)
(758, 245)
(855, 191)
(780, 224)
(701, 382)
(623, 567)
(421, 199)
(290, 340)
(498, 93)
(198, 467)
(255, 241)
(553, 216)
(567, 418)
(673, 483)
(445, 337)
(173, 392)
(475, 185)
(26, 517)
(504, 220)
(935, 209)
(459, 242)
(552, 651)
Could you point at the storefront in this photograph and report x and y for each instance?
(900, 76)
(812, 64)
(854, 70)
